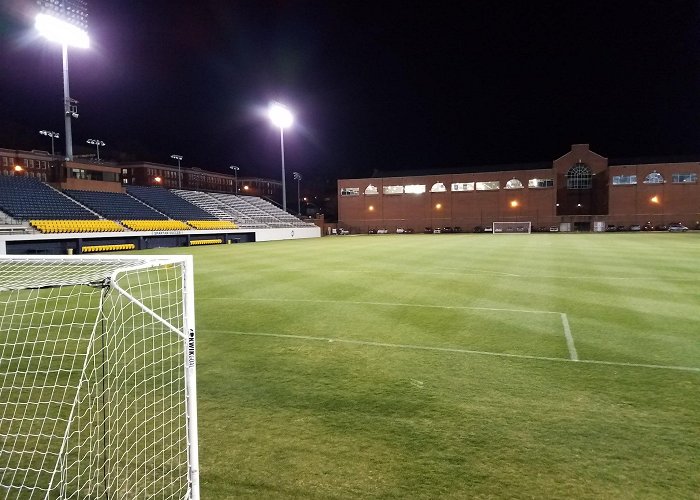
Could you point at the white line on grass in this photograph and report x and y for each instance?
(456, 350)
(573, 355)
(393, 304)
(480, 272)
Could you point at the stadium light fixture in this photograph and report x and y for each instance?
(53, 135)
(281, 117)
(235, 174)
(65, 22)
(57, 30)
(179, 159)
(297, 177)
(97, 143)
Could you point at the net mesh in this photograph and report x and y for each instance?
(92, 379)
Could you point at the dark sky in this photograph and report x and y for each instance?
(374, 85)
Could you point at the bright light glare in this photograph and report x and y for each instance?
(654, 199)
(62, 32)
(280, 116)
(514, 203)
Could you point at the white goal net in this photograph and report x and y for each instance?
(97, 378)
(512, 227)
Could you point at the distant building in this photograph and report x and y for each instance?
(580, 191)
(87, 174)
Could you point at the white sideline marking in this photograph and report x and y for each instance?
(460, 351)
(573, 355)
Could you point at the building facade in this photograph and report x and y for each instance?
(580, 191)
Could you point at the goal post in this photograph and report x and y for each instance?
(512, 227)
(97, 378)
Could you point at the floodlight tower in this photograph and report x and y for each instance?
(297, 177)
(179, 159)
(65, 22)
(281, 117)
(53, 135)
(235, 173)
(97, 143)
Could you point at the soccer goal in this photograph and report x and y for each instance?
(98, 380)
(512, 227)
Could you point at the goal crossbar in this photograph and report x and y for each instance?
(512, 227)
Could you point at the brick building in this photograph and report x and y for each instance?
(579, 191)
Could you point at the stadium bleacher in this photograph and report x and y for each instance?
(75, 226)
(25, 198)
(156, 225)
(219, 208)
(115, 206)
(168, 203)
(39, 206)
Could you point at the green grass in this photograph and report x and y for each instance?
(405, 367)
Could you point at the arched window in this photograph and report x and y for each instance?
(514, 184)
(579, 177)
(438, 187)
(654, 178)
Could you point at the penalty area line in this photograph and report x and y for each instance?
(573, 355)
(458, 351)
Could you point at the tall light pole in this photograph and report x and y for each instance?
(97, 143)
(281, 117)
(297, 177)
(67, 25)
(53, 135)
(179, 159)
(235, 173)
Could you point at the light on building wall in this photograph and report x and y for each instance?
(158, 179)
(655, 199)
(578, 205)
(370, 208)
(514, 203)
(18, 168)
(245, 188)
(438, 206)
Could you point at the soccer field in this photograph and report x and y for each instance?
(450, 366)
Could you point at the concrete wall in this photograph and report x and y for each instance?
(56, 244)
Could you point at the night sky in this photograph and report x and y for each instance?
(374, 85)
